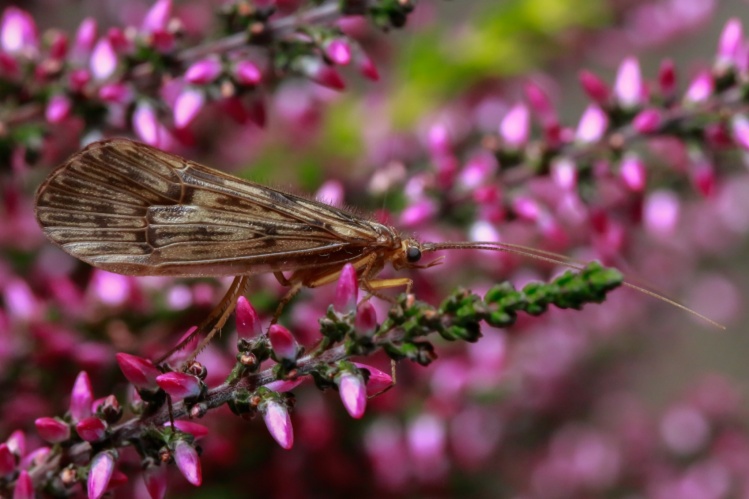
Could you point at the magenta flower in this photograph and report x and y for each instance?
(285, 385)
(515, 127)
(632, 172)
(594, 87)
(81, 397)
(115, 92)
(18, 31)
(103, 60)
(647, 121)
(283, 343)
(203, 71)
(661, 212)
(180, 385)
(730, 44)
(17, 443)
(247, 73)
(628, 87)
(146, 124)
(58, 108)
(187, 106)
(347, 290)
(740, 130)
(338, 50)
(155, 478)
(102, 469)
(24, 488)
(188, 462)
(564, 173)
(592, 126)
(91, 429)
(278, 422)
(378, 380)
(418, 213)
(139, 371)
(667, 77)
(52, 430)
(319, 72)
(353, 393)
(194, 429)
(158, 16)
(7, 460)
(366, 319)
(366, 66)
(85, 38)
(700, 89)
(248, 322)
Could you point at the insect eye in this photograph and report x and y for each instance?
(413, 254)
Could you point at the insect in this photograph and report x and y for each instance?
(129, 208)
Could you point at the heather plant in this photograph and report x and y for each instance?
(439, 118)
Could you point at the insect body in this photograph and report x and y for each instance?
(132, 209)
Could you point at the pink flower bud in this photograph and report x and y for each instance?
(564, 173)
(52, 430)
(138, 371)
(278, 422)
(79, 78)
(526, 208)
(91, 429)
(594, 87)
(58, 108)
(647, 121)
(35, 457)
(203, 71)
(283, 343)
(247, 73)
(248, 322)
(338, 51)
(58, 46)
(628, 87)
(378, 380)
(438, 140)
(667, 77)
(540, 103)
(146, 124)
(703, 178)
(730, 44)
(102, 468)
(17, 443)
(740, 130)
(515, 127)
(7, 460)
(700, 89)
(188, 462)
(17, 31)
(366, 66)
(180, 385)
(330, 192)
(155, 478)
(85, 38)
(592, 126)
(187, 106)
(661, 213)
(103, 60)
(24, 488)
(194, 429)
(353, 394)
(81, 397)
(347, 290)
(632, 172)
(158, 16)
(115, 92)
(418, 213)
(319, 72)
(284, 385)
(366, 319)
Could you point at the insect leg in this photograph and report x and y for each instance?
(389, 283)
(281, 279)
(290, 294)
(215, 320)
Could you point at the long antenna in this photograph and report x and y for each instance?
(556, 258)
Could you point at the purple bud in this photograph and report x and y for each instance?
(85, 38)
(730, 44)
(628, 87)
(180, 385)
(17, 31)
(91, 429)
(700, 89)
(58, 108)
(194, 429)
(353, 393)
(338, 51)
(594, 87)
(7, 460)
(346, 291)
(592, 126)
(740, 130)
(647, 121)
(277, 419)
(366, 319)
(247, 73)
(187, 106)
(102, 468)
(203, 71)
(378, 380)
(138, 371)
(103, 60)
(515, 127)
(188, 462)
(632, 172)
(248, 322)
(155, 478)
(564, 173)
(81, 397)
(667, 77)
(158, 16)
(319, 72)
(146, 124)
(24, 488)
(52, 430)
(283, 343)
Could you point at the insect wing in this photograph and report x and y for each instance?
(132, 209)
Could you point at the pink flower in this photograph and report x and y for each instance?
(439, 140)
(283, 385)
(700, 89)
(347, 290)
(331, 192)
(278, 422)
(180, 385)
(194, 429)
(138, 371)
(155, 478)
(158, 16)
(103, 60)
(7, 460)
(115, 92)
(366, 319)
(283, 343)
(632, 172)
(203, 71)
(17, 31)
(188, 462)
(146, 124)
(52, 430)
(366, 66)
(667, 77)
(515, 127)
(24, 488)
(378, 380)
(564, 173)
(740, 130)
(247, 73)
(102, 468)
(418, 213)
(338, 50)
(647, 121)
(595, 87)
(353, 393)
(319, 72)
(85, 38)
(248, 322)
(592, 126)
(628, 87)
(730, 44)
(187, 106)
(661, 213)
(81, 397)
(91, 429)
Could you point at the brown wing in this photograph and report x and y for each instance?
(132, 209)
